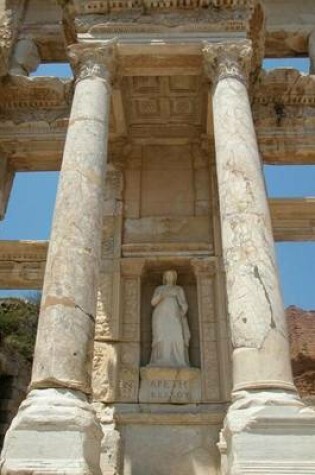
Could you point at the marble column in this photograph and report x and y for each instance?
(263, 426)
(311, 51)
(6, 181)
(56, 415)
(67, 315)
(257, 319)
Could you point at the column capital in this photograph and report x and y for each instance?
(93, 60)
(228, 59)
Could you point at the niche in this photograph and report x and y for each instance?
(151, 279)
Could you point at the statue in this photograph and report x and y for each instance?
(170, 331)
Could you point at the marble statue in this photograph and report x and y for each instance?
(170, 331)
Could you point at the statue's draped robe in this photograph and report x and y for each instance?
(169, 327)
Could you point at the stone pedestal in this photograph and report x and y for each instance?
(170, 385)
(54, 432)
(268, 433)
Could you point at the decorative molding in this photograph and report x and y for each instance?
(228, 60)
(20, 92)
(23, 250)
(284, 87)
(208, 323)
(286, 30)
(81, 7)
(22, 264)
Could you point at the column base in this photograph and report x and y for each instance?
(268, 433)
(54, 432)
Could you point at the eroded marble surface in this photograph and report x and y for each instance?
(254, 299)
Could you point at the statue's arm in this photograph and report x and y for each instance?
(157, 297)
(181, 298)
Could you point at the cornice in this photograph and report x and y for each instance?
(84, 7)
(23, 250)
(115, 17)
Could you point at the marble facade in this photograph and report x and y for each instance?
(160, 140)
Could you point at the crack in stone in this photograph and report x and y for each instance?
(66, 302)
(257, 276)
(91, 317)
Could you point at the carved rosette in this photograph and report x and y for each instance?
(93, 60)
(228, 60)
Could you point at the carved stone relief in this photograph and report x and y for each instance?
(130, 331)
(105, 372)
(108, 304)
(209, 345)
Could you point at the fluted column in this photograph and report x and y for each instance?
(55, 430)
(63, 353)
(257, 319)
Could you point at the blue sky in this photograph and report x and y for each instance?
(30, 209)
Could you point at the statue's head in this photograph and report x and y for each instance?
(170, 277)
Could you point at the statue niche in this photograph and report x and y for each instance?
(168, 378)
(170, 330)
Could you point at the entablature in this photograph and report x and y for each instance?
(287, 29)
(34, 114)
(22, 263)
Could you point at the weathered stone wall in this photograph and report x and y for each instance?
(302, 345)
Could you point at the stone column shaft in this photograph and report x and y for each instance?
(55, 429)
(6, 182)
(256, 313)
(63, 353)
(311, 51)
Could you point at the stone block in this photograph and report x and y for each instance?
(168, 449)
(268, 433)
(170, 385)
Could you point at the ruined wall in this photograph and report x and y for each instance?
(302, 344)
